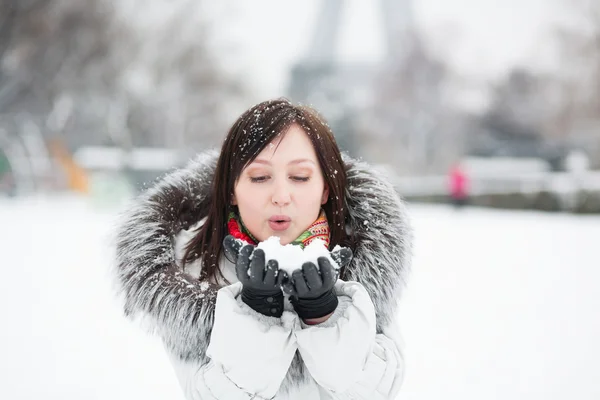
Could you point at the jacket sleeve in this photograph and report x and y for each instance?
(346, 356)
(249, 354)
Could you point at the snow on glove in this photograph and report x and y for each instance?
(342, 256)
(232, 247)
(261, 289)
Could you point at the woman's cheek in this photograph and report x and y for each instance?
(252, 191)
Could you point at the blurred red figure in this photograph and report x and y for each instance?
(458, 185)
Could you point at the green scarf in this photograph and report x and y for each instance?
(317, 230)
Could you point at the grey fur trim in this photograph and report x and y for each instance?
(379, 220)
(181, 308)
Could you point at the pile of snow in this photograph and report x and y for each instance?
(291, 257)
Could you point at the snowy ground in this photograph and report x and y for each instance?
(500, 305)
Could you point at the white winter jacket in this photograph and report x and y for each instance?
(344, 356)
(353, 355)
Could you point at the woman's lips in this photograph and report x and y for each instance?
(280, 222)
(279, 225)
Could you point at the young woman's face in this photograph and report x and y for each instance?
(281, 192)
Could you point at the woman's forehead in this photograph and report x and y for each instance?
(292, 147)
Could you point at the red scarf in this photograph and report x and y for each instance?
(317, 230)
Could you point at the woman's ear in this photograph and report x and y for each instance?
(325, 194)
(233, 200)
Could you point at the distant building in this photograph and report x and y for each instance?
(140, 166)
(341, 91)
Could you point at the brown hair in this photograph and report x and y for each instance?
(249, 135)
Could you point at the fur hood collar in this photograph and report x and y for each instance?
(181, 309)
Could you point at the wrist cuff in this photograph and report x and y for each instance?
(317, 307)
(266, 303)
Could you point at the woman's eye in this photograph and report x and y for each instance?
(300, 178)
(258, 179)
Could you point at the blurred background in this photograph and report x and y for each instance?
(123, 91)
(486, 114)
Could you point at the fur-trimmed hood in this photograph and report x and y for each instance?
(181, 308)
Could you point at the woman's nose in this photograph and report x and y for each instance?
(281, 195)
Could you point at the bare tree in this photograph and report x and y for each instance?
(182, 81)
(84, 73)
(577, 116)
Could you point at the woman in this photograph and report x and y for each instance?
(186, 261)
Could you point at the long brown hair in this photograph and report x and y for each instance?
(249, 135)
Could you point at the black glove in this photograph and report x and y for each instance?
(262, 288)
(342, 256)
(311, 289)
(231, 247)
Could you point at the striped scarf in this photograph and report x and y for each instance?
(317, 230)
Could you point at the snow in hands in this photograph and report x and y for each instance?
(291, 257)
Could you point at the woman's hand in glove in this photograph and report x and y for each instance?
(231, 247)
(342, 256)
(261, 289)
(311, 288)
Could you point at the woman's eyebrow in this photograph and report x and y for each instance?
(261, 161)
(297, 161)
(301, 160)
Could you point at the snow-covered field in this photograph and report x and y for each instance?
(500, 305)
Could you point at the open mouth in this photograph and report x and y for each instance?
(279, 223)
